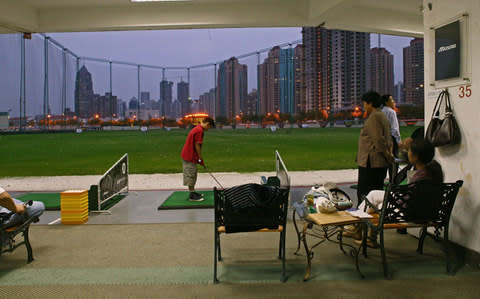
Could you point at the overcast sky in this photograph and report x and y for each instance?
(165, 48)
(198, 46)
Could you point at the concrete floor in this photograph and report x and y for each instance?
(141, 207)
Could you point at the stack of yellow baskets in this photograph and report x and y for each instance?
(74, 206)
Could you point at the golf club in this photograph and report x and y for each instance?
(204, 166)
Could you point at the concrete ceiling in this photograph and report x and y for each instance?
(396, 17)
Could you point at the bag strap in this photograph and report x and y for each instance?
(438, 103)
(448, 104)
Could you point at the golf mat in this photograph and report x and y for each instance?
(50, 200)
(179, 200)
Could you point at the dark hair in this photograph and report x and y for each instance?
(385, 98)
(425, 152)
(418, 133)
(210, 121)
(372, 97)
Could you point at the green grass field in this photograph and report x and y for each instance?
(158, 151)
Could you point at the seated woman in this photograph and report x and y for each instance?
(420, 155)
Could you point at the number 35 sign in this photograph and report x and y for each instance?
(465, 91)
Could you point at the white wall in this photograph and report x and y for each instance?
(460, 162)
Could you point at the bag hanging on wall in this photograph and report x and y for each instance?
(443, 131)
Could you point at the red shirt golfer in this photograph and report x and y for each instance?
(192, 155)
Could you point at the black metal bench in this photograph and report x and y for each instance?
(250, 208)
(421, 205)
(9, 233)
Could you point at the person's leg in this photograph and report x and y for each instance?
(363, 183)
(190, 174)
(377, 178)
(35, 210)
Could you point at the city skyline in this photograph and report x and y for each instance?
(198, 87)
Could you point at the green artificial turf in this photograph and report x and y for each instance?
(158, 151)
(179, 200)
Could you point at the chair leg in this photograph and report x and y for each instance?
(447, 251)
(280, 247)
(298, 233)
(421, 240)
(27, 244)
(217, 249)
(283, 235)
(384, 256)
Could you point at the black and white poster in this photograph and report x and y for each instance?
(447, 51)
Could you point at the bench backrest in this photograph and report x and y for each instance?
(419, 202)
(250, 207)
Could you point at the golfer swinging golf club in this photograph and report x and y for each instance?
(192, 155)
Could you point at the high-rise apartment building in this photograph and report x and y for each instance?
(350, 68)
(276, 75)
(413, 72)
(337, 68)
(399, 92)
(104, 106)
(231, 88)
(381, 71)
(166, 88)
(299, 77)
(207, 101)
(183, 97)
(83, 93)
(317, 54)
(145, 100)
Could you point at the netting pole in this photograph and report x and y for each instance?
(189, 99)
(163, 98)
(45, 84)
(22, 119)
(138, 87)
(232, 101)
(215, 91)
(111, 97)
(257, 106)
(291, 81)
(64, 85)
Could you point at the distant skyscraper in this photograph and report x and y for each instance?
(337, 68)
(252, 102)
(299, 78)
(398, 93)
(350, 67)
(207, 101)
(381, 71)
(166, 88)
(413, 72)
(83, 93)
(277, 81)
(121, 108)
(104, 106)
(145, 100)
(317, 80)
(231, 88)
(133, 104)
(183, 95)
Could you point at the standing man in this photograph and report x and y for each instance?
(391, 114)
(192, 155)
(374, 154)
